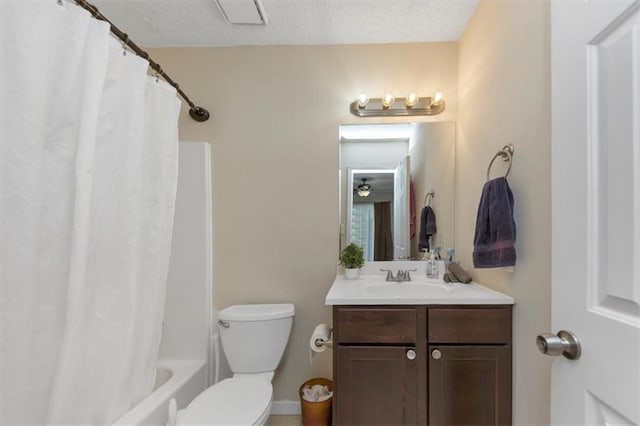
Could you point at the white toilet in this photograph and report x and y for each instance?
(254, 338)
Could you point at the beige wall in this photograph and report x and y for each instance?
(274, 133)
(504, 90)
(433, 168)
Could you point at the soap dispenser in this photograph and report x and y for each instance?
(432, 266)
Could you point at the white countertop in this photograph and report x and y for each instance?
(372, 289)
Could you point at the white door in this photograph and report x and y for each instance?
(595, 65)
(349, 209)
(401, 209)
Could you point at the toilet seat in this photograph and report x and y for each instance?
(236, 401)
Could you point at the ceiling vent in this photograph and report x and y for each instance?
(243, 12)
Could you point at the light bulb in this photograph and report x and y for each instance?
(411, 100)
(362, 100)
(437, 98)
(388, 100)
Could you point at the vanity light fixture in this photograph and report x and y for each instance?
(364, 189)
(390, 106)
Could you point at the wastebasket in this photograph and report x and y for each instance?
(316, 413)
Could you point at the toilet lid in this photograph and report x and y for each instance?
(235, 401)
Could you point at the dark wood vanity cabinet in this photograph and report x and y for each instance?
(470, 385)
(381, 383)
(374, 366)
(419, 365)
(469, 358)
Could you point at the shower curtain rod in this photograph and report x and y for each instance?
(196, 112)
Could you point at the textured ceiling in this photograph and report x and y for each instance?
(165, 23)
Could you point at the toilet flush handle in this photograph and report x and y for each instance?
(224, 324)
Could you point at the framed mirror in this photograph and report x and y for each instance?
(386, 173)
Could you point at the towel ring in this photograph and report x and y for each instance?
(506, 154)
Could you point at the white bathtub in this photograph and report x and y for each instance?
(182, 380)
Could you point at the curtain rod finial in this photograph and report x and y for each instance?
(199, 114)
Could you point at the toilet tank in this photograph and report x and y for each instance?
(254, 337)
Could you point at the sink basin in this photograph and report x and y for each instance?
(406, 289)
(374, 290)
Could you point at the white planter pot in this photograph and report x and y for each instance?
(351, 273)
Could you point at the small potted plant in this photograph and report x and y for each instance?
(352, 258)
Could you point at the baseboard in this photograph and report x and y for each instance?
(285, 407)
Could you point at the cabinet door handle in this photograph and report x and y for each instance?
(411, 354)
(436, 354)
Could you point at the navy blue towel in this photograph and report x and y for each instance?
(493, 243)
(427, 227)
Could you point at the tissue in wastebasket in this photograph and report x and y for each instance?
(316, 393)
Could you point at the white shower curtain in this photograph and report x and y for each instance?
(88, 173)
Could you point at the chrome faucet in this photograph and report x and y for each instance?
(390, 276)
(406, 274)
(401, 276)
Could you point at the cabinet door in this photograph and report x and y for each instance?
(469, 385)
(375, 385)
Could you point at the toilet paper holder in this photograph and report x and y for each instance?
(321, 339)
(320, 343)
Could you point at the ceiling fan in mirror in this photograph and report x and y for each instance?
(363, 189)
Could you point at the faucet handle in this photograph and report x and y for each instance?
(408, 275)
(389, 274)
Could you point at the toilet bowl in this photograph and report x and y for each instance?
(235, 401)
(254, 338)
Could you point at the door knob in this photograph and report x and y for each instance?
(565, 343)
(436, 354)
(411, 354)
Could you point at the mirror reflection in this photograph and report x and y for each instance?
(386, 172)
